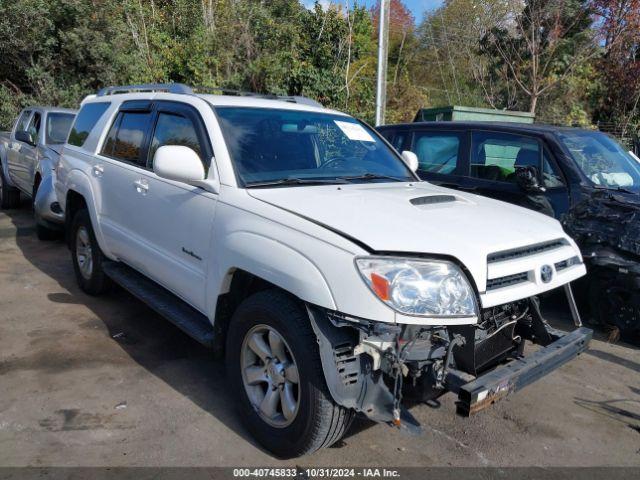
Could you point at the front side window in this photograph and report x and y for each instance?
(271, 145)
(437, 152)
(495, 156)
(602, 159)
(174, 129)
(87, 118)
(58, 126)
(126, 136)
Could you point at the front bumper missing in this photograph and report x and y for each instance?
(476, 394)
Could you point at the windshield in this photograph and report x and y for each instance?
(269, 146)
(603, 160)
(58, 126)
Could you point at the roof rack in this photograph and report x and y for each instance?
(146, 87)
(183, 89)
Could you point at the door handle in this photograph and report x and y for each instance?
(142, 186)
(98, 170)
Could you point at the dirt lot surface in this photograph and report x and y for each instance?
(106, 382)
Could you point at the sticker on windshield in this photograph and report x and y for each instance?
(354, 131)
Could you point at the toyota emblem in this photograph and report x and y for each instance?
(546, 273)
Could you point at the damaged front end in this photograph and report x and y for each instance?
(370, 367)
(606, 226)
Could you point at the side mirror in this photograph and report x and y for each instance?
(178, 163)
(24, 136)
(528, 179)
(411, 159)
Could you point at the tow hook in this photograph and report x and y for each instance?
(458, 340)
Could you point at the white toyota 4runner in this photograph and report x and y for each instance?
(294, 239)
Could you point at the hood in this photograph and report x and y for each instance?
(418, 218)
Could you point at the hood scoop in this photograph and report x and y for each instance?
(432, 199)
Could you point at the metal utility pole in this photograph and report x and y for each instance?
(383, 44)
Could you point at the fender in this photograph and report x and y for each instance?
(283, 266)
(79, 182)
(44, 166)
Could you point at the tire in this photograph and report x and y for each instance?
(46, 234)
(84, 248)
(318, 421)
(9, 196)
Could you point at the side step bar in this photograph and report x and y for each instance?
(178, 312)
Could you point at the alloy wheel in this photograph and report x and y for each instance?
(270, 376)
(84, 255)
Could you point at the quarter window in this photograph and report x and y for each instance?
(437, 152)
(495, 156)
(126, 136)
(550, 176)
(174, 129)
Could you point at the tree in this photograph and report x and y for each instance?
(543, 45)
(620, 65)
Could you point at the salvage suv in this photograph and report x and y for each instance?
(296, 241)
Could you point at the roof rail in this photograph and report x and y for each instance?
(146, 87)
(181, 88)
(269, 96)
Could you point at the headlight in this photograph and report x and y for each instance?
(428, 288)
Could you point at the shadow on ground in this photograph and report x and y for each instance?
(152, 342)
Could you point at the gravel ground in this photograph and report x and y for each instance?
(106, 382)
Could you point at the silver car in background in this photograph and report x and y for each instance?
(29, 155)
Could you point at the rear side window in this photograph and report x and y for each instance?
(126, 137)
(58, 126)
(495, 156)
(174, 129)
(85, 121)
(437, 152)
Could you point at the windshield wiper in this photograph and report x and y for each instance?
(614, 188)
(374, 176)
(295, 181)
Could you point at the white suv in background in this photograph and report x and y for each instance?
(297, 241)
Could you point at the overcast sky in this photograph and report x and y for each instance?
(417, 7)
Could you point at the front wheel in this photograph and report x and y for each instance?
(274, 368)
(87, 256)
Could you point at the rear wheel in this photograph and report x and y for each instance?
(87, 256)
(9, 196)
(274, 368)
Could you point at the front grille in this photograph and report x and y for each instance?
(566, 263)
(507, 280)
(526, 251)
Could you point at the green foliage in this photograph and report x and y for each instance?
(58, 51)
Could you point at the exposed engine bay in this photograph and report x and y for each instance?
(371, 367)
(606, 226)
